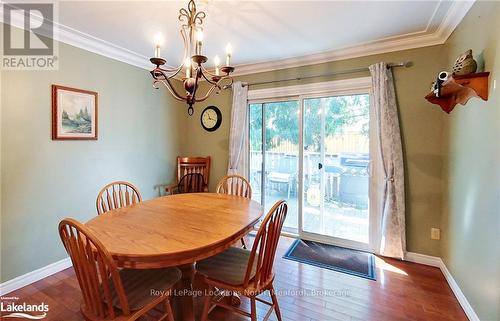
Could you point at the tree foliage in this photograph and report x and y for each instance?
(282, 120)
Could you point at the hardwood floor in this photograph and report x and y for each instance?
(403, 291)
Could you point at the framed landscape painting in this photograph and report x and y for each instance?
(74, 114)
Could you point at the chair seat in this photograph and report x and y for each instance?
(227, 267)
(138, 285)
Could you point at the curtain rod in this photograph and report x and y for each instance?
(405, 64)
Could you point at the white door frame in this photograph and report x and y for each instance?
(318, 90)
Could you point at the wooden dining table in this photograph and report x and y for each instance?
(176, 230)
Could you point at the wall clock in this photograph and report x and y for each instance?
(211, 118)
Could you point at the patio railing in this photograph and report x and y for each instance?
(346, 175)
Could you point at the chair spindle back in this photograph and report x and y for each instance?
(265, 245)
(191, 183)
(234, 185)
(192, 165)
(116, 195)
(94, 267)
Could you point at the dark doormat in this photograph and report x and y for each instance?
(333, 257)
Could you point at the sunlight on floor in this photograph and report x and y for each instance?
(383, 265)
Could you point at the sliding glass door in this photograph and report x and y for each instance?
(336, 162)
(274, 151)
(314, 151)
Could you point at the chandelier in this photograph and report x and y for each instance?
(192, 69)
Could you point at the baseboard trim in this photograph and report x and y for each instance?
(33, 276)
(469, 311)
(438, 262)
(423, 259)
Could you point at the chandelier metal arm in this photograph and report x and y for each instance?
(217, 79)
(170, 89)
(166, 82)
(208, 93)
(212, 82)
(213, 79)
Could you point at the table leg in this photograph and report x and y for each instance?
(184, 303)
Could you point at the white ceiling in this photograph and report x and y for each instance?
(260, 31)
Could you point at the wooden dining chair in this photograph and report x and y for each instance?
(109, 293)
(115, 195)
(189, 165)
(248, 273)
(191, 183)
(235, 185)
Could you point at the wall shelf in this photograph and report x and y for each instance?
(459, 89)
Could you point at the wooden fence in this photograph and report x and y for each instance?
(345, 143)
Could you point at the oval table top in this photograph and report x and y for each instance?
(176, 229)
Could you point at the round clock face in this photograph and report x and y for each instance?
(211, 118)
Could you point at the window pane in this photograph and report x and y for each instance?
(336, 161)
(281, 158)
(255, 122)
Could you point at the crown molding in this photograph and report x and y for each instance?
(96, 45)
(455, 14)
(76, 38)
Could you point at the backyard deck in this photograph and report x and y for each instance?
(339, 220)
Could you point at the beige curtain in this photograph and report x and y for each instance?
(238, 135)
(392, 201)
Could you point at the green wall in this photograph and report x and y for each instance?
(43, 181)
(471, 207)
(421, 125)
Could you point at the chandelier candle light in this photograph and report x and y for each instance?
(192, 35)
